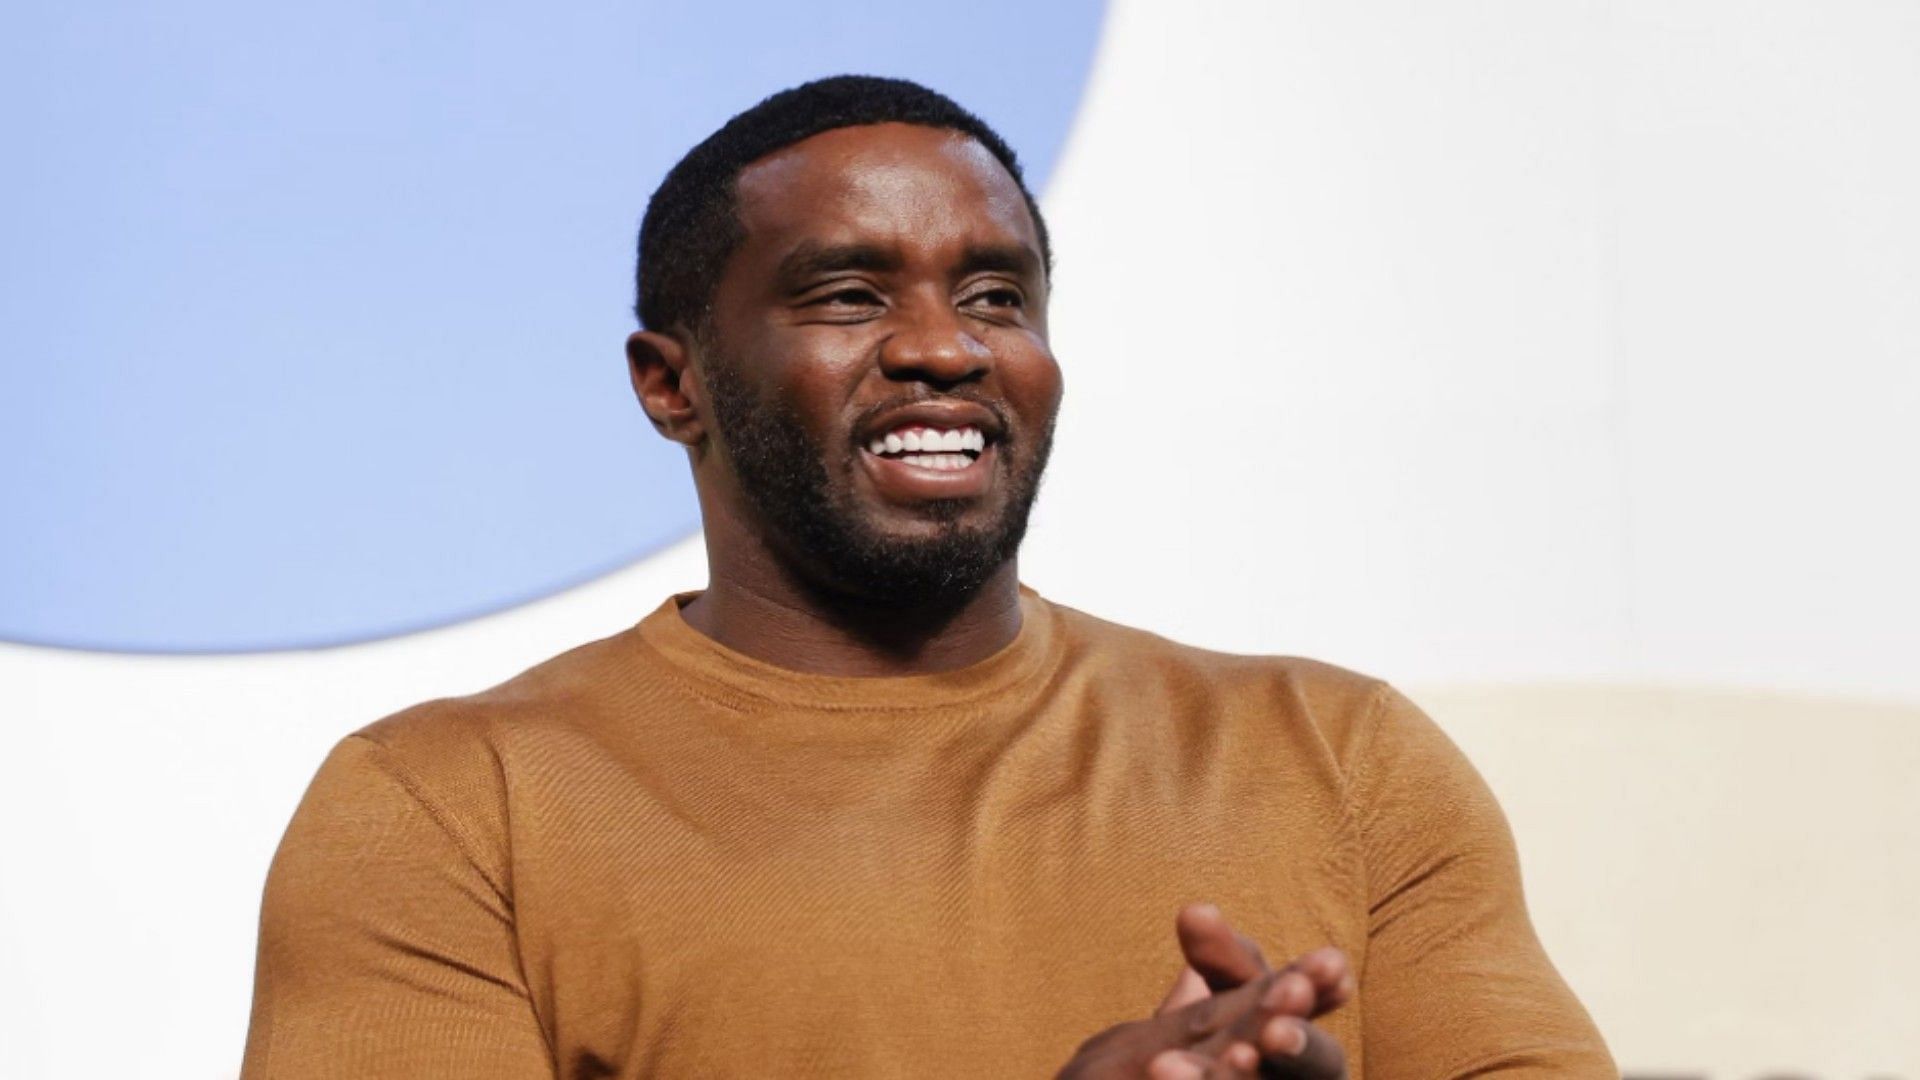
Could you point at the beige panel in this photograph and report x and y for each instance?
(1731, 881)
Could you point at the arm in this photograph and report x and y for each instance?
(386, 947)
(1454, 983)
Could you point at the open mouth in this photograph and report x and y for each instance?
(939, 449)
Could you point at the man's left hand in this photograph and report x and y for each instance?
(1219, 958)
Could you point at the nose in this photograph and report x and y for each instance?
(931, 342)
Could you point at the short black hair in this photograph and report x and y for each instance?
(692, 226)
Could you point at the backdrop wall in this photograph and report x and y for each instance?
(1557, 361)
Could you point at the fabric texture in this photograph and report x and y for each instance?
(654, 857)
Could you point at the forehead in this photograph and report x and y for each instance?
(895, 184)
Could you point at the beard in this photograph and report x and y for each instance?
(782, 472)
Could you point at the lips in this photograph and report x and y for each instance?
(951, 414)
(931, 451)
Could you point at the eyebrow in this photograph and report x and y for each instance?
(1017, 259)
(810, 260)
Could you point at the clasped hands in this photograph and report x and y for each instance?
(1228, 1015)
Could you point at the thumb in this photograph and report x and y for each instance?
(1188, 987)
(1223, 957)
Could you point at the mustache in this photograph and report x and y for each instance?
(993, 405)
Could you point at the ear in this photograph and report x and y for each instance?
(666, 384)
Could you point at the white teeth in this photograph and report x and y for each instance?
(939, 462)
(930, 442)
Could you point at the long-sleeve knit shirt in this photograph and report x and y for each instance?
(653, 856)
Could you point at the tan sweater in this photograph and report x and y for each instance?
(652, 856)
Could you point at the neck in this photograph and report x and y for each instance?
(759, 607)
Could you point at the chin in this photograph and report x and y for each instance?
(918, 562)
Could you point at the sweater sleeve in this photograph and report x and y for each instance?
(386, 950)
(1454, 982)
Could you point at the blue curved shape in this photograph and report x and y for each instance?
(312, 313)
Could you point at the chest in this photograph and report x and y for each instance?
(860, 909)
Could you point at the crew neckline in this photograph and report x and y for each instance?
(733, 678)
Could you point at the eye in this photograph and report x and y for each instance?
(1001, 297)
(846, 296)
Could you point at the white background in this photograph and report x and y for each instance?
(1560, 361)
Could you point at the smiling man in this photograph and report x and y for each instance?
(865, 806)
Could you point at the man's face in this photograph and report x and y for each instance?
(882, 391)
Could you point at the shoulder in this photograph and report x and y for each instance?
(555, 690)
(1340, 706)
(455, 755)
(1392, 762)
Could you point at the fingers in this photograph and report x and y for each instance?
(1222, 956)
(1267, 1018)
(1225, 958)
(1291, 993)
(1292, 1049)
(1332, 977)
(1239, 1061)
(1178, 1065)
(1208, 1024)
(1314, 985)
(1237, 1017)
(1188, 987)
(1289, 1049)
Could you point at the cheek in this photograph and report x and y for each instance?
(1033, 383)
(814, 370)
(826, 355)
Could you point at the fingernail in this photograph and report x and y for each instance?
(1284, 1036)
(1304, 988)
(1175, 1065)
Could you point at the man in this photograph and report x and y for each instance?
(864, 806)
